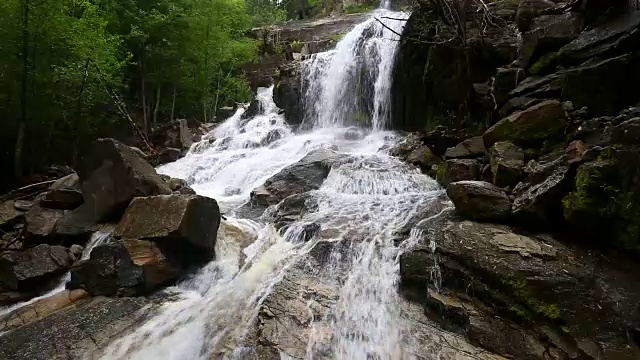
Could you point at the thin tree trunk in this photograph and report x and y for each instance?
(215, 106)
(155, 111)
(206, 72)
(79, 123)
(173, 103)
(144, 98)
(17, 160)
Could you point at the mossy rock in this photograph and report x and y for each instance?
(530, 128)
(605, 204)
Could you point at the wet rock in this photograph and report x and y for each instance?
(255, 108)
(74, 331)
(75, 252)
(529, 10)
(479, 200)
(176, 184)
(613, 38)
(305, 175)
(111, 174)
(292, 209)
(626, 133)
(506, 80)
(575, 151)
(516, 104)
(41, 223)
(33, 268)
(545, 121)
(526, 280)
(470, 148)
(185, 223)
(271, 136)
(459, 170)
(166, 156)
(287, 95)
(9, 215)
(354, 133)
(424, 158)
(75, 226)
(125, 268)
(548, 34)
(507, 163)
(605, 203)
(538, 198)
(596, 85)
(41, 309)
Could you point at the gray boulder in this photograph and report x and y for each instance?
(125, 268)
(479, 200)
(472, 147)
(33, 268)
(459, 170)
(111, 174)
(307, 174)
(507, 164)
(184, 223)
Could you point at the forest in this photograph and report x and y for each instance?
(74, 70)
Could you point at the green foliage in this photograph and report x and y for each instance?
(358, 8)
(265, 12)
(68, 67)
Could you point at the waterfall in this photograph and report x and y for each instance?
(366, 203)
(350, 85)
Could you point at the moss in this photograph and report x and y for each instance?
(441, 174)
(565, 330)
(519, 288)
(544, 63)
(337, 37)
(358, 8)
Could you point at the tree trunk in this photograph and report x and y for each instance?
(206, 72)
(155, 110)
(144, 98)
(173, 103)
(17, 160)
(215, 106)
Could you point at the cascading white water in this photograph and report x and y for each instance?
(350, 85)
(365, 203)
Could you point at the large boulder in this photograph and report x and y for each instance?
(305, 175)
(31, 269)
(597, 85)
(125, 268)
(469, 148)
(111, 174)
(542, 122)
(479, 200)
(506, 80)
(184, 223)
(287, 94)
(459, 170)
(507, 164)
(41, 223)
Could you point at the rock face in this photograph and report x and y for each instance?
(305, 175)
(31, 269)
(8, 213)
(531, 127)
(469, 148)
(433, 76)
(590, 85)
(125, 268)
(84, 326)
(501, 279)
(287, 94)
(529, 10)
(459, 170)
(41, 223)
(111, 174)
(177, 221)
(507, 163)
(479, 200)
